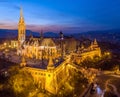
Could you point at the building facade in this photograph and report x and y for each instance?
(37, 48)
(52, 77)
(84, 53)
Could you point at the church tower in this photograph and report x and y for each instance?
(21, 31)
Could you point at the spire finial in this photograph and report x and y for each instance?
(31, 36)
(21, 12)
(95, 41)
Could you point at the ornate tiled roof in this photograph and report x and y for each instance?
(40, 42)
(47, 42)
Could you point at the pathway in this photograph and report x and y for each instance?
(114, 89)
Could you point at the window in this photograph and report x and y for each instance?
(48, 75)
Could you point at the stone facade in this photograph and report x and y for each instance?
(84, 53)
(51, 78)
(35, 47)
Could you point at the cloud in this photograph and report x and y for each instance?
(8, 25)
(45, 28)
(54, 28)
(2, 24)
(57, 28)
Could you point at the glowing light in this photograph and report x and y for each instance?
(5, 44)
(99, 91)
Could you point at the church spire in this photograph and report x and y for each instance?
(95, 42)
(21, 20)
(21, 12)
(21, 32)
(31, 36)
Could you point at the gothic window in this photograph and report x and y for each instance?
(48, 75)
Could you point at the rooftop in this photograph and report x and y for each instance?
(42, 64)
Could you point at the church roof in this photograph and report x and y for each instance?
(40, 42)
(47, 42)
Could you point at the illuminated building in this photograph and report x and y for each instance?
(35, 47)
(21, 33)
(41, 47)
(49, 78)
(84, 53)
(52, 76)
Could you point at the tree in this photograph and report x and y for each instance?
(21, 82)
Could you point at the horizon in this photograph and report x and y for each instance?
(34, 31)
(70, 17)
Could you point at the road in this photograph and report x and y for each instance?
(105, 86)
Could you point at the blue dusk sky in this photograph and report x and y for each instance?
(70, 16)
